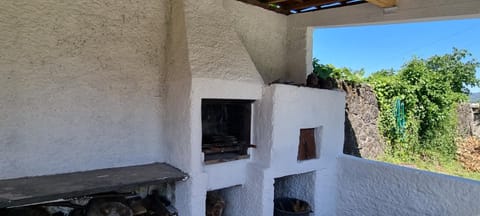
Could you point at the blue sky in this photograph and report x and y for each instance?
(376, 47)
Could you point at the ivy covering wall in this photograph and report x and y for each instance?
(418, 102)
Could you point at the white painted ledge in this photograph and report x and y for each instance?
(375, 188)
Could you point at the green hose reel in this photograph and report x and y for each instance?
(399, 111)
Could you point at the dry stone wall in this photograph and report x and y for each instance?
(362, 137)
(475, 122)
(465, 121)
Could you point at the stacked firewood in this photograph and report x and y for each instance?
(111, 204)
(214, 204)
(468, 153)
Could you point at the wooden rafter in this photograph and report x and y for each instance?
(312, 3)
(266, 6)
(300, 6)
(279, 1)
(383, 3)
(275, 1)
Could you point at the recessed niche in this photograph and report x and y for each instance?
(309, 143)
(224, 201)
(298, 186)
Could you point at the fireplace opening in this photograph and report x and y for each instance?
(226, 129)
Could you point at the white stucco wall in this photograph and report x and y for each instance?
(299, 49)
(264, 35)
(215, 50)
(375, 188)
(280, 114)
(81, 84)
(206, 59)
(295, 108)
(177, 137)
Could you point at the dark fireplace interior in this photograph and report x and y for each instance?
(294, 194)
(224, 201)
(226, 127)
(145, 202)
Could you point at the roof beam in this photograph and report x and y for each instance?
(288, 7)
(281, 1)
(266, 6)
(384, 3)
(275, 1)
(312, 3)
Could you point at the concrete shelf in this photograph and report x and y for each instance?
(21, 191)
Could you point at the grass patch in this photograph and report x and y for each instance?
(448, 167)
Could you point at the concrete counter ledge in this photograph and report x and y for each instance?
(21, 191)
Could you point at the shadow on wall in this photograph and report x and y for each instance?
(362, 138)
(350, 145)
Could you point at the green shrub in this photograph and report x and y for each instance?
(430, 90)
(325, 71)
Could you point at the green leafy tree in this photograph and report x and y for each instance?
(430, 89)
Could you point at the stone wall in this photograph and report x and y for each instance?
(475, 125)
(362, 137)
(465, 121)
